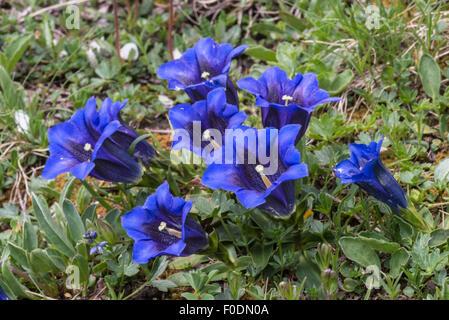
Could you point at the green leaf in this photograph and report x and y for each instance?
(15, 50)
(341, 81)
(430, 75)
(67, 191)
(398, 259)
(89, 214)
(189, 296)
(356, 250)
(377, 243)
(442, 173)
(261, 255)
(187, 262)
(350, 284)
(261, 53)
(12, 96)
(52, 231)
(438, 237)
(203, 205)
(29, 235)
(163, 285)
(158, 267)
(41, 262)
(294, 22)
(74, 222)
(13, 284)
(81, 262)
(18, 254)
(444, 124)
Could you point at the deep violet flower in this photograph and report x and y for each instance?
(365, 169)
(195, 124)
(266, 183)
(90, 235)
(96, 143)
(161, 227)
(201, 69)
(284, 101)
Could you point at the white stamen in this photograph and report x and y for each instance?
(174, 232)
(205, 75)
(260, 168)
(207, 137)
(287, 98)
(162, 226)
(87, 147)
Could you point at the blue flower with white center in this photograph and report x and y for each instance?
(98, 248)
(259, 178)
(201, 69)
(161, 227)
(284, 101)
(96, 143)
(201, 120)
(365, 169)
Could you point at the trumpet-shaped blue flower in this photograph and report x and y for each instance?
(365, 169)
(286, 101)
(202, 68)
(193, 123)
(161, 227)
(261, 170)
(96, 143)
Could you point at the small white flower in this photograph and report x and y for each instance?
(176, 54)
(94, 46)
(22, 121)
(125, 51)
(92, 58)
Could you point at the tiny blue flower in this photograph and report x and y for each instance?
(98, 248)
(213, 113)
(365, 169)
(96, 143)
(161, 227)
(202, 68)
(284, 101)
(267, 184)
(90, 235)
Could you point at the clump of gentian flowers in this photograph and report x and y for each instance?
(98, 143)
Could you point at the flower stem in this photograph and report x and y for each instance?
(414, 217)
(96, 195)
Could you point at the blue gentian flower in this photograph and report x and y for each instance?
(90, 235)
(286, 101)
(202, 68)
(198, 119)
(98, 248)
(96, 143)
(365, 169)
(259, 181)
(3, 295)
(161, 227)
